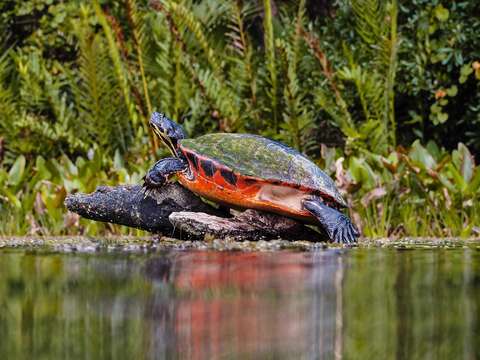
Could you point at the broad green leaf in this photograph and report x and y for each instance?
(433, 149)
(468, 163)
(464, 162)
(362, 173)
(17, 170)
(421, 156)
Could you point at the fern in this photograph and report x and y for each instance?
(370, 18)
(269, 42)
(240, 45)
(376, 24)
(164, 77)
(298, 119)
(333, 103)
(210, 79)
(8, 107)
(96, 94)
(137, 26)
(242, 74)
(118, 65)
(186, 17)
(223, 98)
(7, 103)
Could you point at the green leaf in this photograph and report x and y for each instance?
(421, 156)
(362, 173)
(41, 168)
(441, 13)
(474, 185)
(447, 183)
(12, 198)
(118, 161)
(467, 163)
(452, 91)
(460, 183)
(466, 70)
(442, 117)
(16, 172)
(434, 150)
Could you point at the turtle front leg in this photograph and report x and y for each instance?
(159, 173)
(338, 226)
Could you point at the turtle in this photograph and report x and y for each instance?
(248, 171)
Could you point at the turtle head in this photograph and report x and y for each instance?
(167, 130)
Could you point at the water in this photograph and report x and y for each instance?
(352, 304)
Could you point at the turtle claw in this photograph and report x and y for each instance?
(339, 236)
(351, 232)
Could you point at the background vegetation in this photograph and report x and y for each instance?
(382, 94)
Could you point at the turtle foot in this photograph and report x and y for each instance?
(338, 226)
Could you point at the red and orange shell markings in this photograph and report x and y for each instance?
(241, 193)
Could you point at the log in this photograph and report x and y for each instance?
(248, 225)
(174, 209)
(128, 205)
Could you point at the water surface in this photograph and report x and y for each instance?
(352, 304)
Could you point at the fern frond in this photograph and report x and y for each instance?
(369, 15)
(393, 43)
(8, 108)
(223, 99)
(117, 63)
(182, 15)
(96, 92)
(341, 116)
(210, 81)
(242, 70)
(271, 65)
(376, 23)
(7, 105)
(298, 119)
(138, 29)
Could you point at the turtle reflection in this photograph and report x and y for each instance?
(221, 304)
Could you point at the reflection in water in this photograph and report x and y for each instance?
(240, 304)
(332, 304)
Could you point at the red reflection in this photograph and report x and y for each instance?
(242, 304)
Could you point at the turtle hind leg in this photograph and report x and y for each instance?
(338, 226)
(158, 174)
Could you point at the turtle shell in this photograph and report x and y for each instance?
(261, 158)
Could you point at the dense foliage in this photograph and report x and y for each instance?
(358, 85)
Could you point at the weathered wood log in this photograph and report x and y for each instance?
(129, 205)
(248, 225)
(174, 209)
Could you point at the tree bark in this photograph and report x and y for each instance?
(174, 209)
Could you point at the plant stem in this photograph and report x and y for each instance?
(392, 67)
